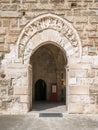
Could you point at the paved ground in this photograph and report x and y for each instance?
(32, 121)
(49, 107)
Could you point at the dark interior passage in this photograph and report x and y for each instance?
(40, 90)
(48, 68)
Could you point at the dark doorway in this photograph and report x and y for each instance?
(40, 90)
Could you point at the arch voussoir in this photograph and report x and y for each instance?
(49, 27)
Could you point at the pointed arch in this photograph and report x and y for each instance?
(48, 27)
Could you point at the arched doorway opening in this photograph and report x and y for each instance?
(40, 90)
(48, 28)
(49, 70)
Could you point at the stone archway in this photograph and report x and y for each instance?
(48, 28)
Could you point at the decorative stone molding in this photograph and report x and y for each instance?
(46, 22)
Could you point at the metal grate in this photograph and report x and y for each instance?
(50, 115)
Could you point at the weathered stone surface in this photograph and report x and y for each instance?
(14, 31)
(79, 90)
(72, 81)
(72, 73)
(3, 1)
(75, 108)
(9, 7)
(24, 98)
(20, 90)
(94, 89)
(91, 73)
(31, 1)
(2, 30)
(90, 108)
(85, 81)
(80, 19)
(72, 26)
(84, 99)
(79, 73)
(2, 39)
(11, 40)
(10, 14)
(93, 19)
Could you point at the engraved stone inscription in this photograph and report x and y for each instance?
(44, 23)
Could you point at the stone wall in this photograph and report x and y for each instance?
(83, 75)
(83, 86)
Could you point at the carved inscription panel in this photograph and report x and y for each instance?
(44, 23)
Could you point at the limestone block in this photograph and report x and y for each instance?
(79, 27)
(11, 39)
(96, 80)
(79, 66)
(14, 31)
(0, 103)
(96, 100)
(80, 19)
(87, 60)
(84, 49)
(90, 108)
(85, 81)
(91, 73)
(10, 14)
(72, 73)
(18, 60)
(84, 99)
(2, 30)
(75, 108)
(96, 73)
(94, 89)
(24, 98)
(2, 40)
(6, 48)
(77, 12)
(57, 1)
(79, 90)
(31, 1)
(89, 12)
(4, 1)
(74, 66)
(24, 107)
(1, 48)
(94, 6)
(93, 19)
(4, 105)
(79, 73)
(72, 81)
(20, 90)
(90, 28)
(95, 60)
(9, 7)
(93, 34)
(16, 107)
(44, 1)
(92, 51)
